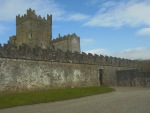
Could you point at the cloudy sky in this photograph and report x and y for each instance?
(119, 28)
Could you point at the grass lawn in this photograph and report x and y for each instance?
(43, 96)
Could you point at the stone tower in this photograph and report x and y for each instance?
(33, 30)
(67, 43)
(36, 31)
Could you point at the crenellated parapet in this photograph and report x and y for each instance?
(33, 41)
(12, 39)
(65, 37)
(25, 52)
(32, 15)
(67, 43)
(33, 29)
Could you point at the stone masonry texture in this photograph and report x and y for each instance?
(20, 75)
(32, 60)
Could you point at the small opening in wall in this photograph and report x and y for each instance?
(29, 36)
(101, 77)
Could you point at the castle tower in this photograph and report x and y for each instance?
(33, 30)
(67, 43)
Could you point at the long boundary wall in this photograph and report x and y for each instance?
(20, 75)
(24, 68)
(132, 78)
(23, 75)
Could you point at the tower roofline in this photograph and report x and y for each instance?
(30, 14)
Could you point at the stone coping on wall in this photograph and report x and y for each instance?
(39, 54)
(65, 37)
(31, 14)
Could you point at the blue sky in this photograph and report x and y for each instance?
(119, 28)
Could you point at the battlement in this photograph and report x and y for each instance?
(31, 14)
(12, 39)
(66, 48)
(25, 52)
(33, 30)
(67, 42)
(65, 37)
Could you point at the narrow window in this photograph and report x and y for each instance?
(29, 36)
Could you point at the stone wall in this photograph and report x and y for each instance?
(21, 75)
(132, 78)
(39, 54)
(109, 74)
(61, 45)
(143, 65)
(23, 68)
(32, 61)
(67, 43)
(33, 30)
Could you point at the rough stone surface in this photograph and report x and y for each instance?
(26, 52)
(20, 75)
(67, 43)
(33, 30)
(36, 31)
(32, 60)
(133, 78)
(109, 74)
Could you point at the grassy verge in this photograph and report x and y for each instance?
(26, 98)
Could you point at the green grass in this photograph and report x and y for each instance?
(43, 96)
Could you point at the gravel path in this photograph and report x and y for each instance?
(123, 100)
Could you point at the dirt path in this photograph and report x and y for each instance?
(123, 100)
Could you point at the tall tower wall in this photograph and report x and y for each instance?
(33, 30)
(67, 43)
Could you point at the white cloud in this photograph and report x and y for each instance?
(78, 17)
(10, 8)
(87, 41)
(132, 53)
(144, 32)
(117, 14)
(98, 51)
(135, 53)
